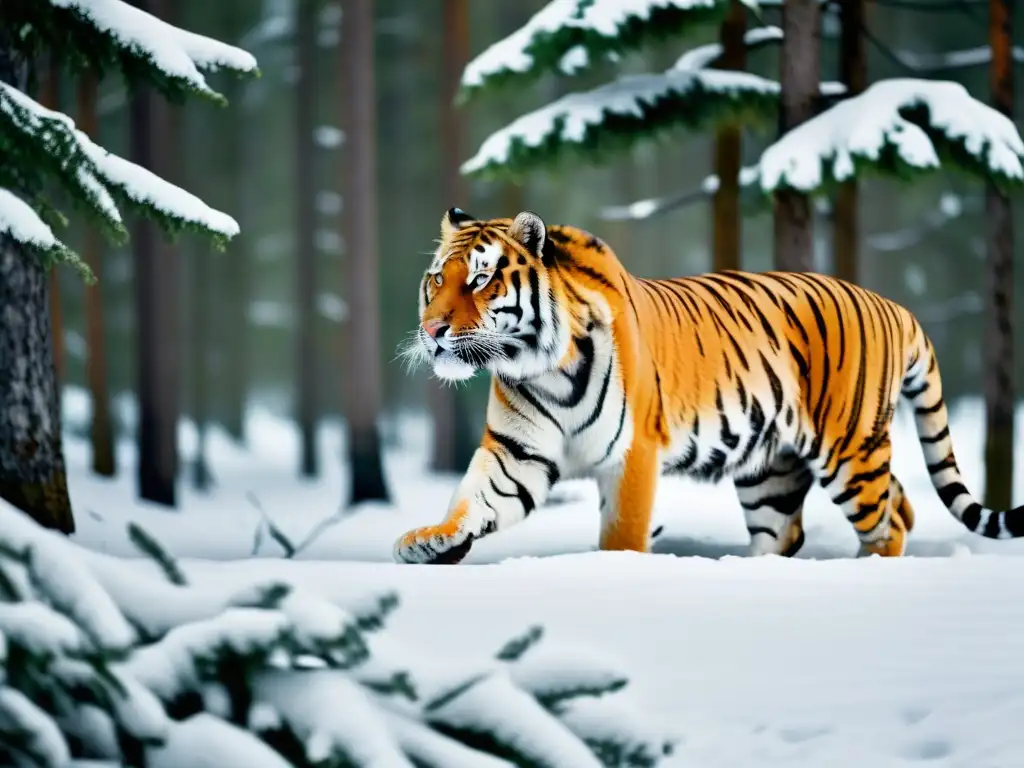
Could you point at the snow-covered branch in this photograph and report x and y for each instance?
(898, 127)
(615, 115)
(127, 669)
(566, 36)
(109, 34)
(42, 144)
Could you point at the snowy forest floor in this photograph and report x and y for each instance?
(817, 661)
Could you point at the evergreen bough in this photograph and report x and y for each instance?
(40, 146)
(136, 671)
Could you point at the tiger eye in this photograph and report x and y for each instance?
(438, 278)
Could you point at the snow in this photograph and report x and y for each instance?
(18, 220)
(332, 714)
(511, 54)
(600, 19)
(18, 713)
(146, 188)
(704, 55)
(863, 126)
(204, 741)
(176, 52)
(578, 117)
(573, 117)
(769, 661)
(104, 168)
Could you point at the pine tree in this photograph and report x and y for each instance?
(128, 669)
(899, 128)
(40, 146)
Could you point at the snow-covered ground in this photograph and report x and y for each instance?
(817, 661)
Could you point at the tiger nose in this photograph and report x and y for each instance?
(435, 328)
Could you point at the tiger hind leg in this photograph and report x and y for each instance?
(873, 501)
(773, 503)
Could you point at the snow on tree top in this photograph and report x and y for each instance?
(567, 35)
(618, 113)
(175, 52)
(895, 125)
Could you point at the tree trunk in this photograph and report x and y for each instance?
(32, 473)
(153, 137)
(49, 97)
(727, 236)
(101, 428)
(359, 185)
(305, 244)
(236, 273)
(853, 73)
(454, 439)
(800, 80)
(999, 384)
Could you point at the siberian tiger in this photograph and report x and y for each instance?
(775, 379)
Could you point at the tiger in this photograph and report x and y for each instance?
(777, 380)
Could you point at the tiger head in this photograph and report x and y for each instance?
(489, 300)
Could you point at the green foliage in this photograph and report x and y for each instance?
(546, 49)
(40, 146)
(271, 676)
(81, 46)
(662, 103)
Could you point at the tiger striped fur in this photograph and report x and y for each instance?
(777, 380)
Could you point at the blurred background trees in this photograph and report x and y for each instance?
(303, 312)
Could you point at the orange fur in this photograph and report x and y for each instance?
(806, 368)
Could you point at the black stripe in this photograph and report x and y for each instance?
(519, 452)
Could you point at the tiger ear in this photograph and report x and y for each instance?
(528, 230)
(453, 219)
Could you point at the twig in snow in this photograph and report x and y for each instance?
(275, 533)
(152, 548)
(290, 549)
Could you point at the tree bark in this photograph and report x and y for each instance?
(800, 80)
(359, 185)
(727, 236)
(101, 427)
(454, 439)
(49, 97)
(999, 378)
(305, 244)
(236, 272)
(853, 73)
(33, 477)
(153, 137)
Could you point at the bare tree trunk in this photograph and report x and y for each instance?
(454, 441)
(727, 237)
(32, 472)
(101, 428)
(999, 384)
(853, 73)
(49, 97)
(305, 243)
(153, 138)
(359, 185)
(800, 80)
(236, 274)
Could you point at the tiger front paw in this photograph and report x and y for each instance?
(433, 545)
